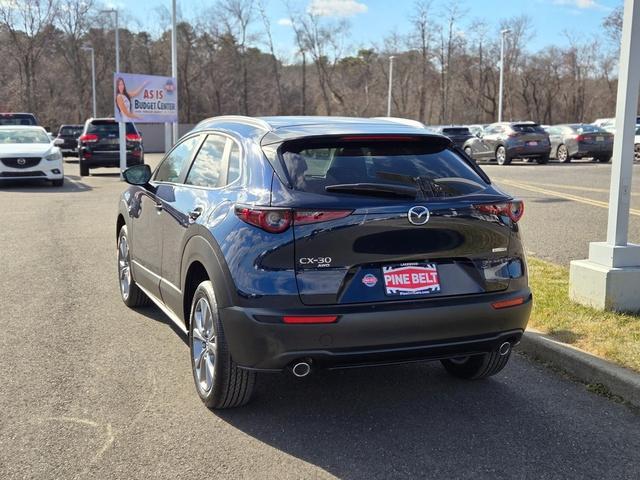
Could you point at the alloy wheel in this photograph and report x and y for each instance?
(124, 267)
(204, 345)
(563, 154)
(501, 155)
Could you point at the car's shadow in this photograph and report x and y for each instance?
(154, 313)
(72, 184)
(414, 421)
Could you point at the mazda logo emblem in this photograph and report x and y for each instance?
(21, 161)
(418, 215)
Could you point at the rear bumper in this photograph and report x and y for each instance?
(110, 159)
(528, 152)
(373, 335)
(592, 152)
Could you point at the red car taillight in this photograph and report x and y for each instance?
(88, 138)
(133, 137)
(277, 220)
(580, 138)
(305, 217)
(514, 210)
(272, 220)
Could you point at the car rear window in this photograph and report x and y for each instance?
(108, 128)
(527, 128)
(456, 131)
(430, 167)
(588, 129)
(17, 119)
(71, 131)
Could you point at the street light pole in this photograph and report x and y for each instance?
(174, 61)
(503, 33)
(121, 125)
(93, 75)
(391, 58)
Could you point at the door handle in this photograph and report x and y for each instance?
(158, 206)
(195, 213)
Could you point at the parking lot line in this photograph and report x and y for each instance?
(566, 196)
(569, 187)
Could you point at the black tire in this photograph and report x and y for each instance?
(230, 386)
(58, 183)
(562, 154)
(133, 297)
(502, 157)
(603, 159)
(636, 153)
(84, 168)
(476, 367)
(542, 160)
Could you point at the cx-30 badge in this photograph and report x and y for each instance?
(418, 215)
(21, 161)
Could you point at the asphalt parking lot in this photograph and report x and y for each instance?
(92, 389)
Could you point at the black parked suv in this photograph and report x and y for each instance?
(506, 141)
(99, 145)
(67, 139)
(458, 135)
(302, 243)
(18, 119)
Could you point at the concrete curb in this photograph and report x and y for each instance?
(585, 366)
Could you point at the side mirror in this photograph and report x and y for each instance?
(479, 134)
(58, 141)
(137, 175)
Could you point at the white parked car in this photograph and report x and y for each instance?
(27, 152)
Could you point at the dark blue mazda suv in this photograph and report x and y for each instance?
(303, 243)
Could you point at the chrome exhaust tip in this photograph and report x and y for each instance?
(504, 348)
(301, 369)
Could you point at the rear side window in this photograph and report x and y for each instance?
(172, 165)
(434, 171)
(206, 170)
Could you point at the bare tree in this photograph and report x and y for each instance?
(275, 63)
(422, 24)
(238, 16)
(29, 24)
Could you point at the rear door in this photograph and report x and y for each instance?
(382, 243)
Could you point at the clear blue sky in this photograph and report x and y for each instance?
(372, 20)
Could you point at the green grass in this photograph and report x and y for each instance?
(610, 335)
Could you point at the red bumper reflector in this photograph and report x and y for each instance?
(508, 303)
(315, 319)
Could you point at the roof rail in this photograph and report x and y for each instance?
(256, 122)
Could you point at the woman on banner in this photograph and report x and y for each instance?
(123, 99)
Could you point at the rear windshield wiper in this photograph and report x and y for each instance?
(375, 189)
(428, 187)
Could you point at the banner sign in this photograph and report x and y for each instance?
(145, 98)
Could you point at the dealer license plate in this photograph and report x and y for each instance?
(411, 279)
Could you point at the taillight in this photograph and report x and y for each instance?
(88, 138)
(272, 220)
(277, 220)
(580, 138)
(305, 217)
(134, 137)
(514, 210)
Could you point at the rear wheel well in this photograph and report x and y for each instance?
(119, 224)
(196, 274)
